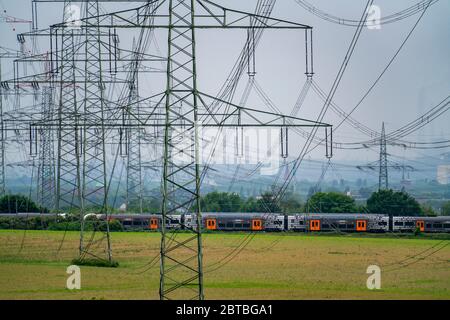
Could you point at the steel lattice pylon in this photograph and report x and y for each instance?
(2, 140)
(94, 176)
(181, 259)
(68, 149)
(185, 111)
(133, 147)
(81, 178)
(134, 165)
(94, 181)
(46, 170)
(383, 177)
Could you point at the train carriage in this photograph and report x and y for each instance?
(243, 221)
(146, 221)
(423, 224)
(343, 222)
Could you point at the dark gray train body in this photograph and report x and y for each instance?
(298, 222)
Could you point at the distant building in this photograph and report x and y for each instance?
(443, 174)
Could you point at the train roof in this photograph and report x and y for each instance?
(240, 214)
(342, 215)
(435, 219)
(26, 214)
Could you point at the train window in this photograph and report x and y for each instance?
(437, 225)
(246, 225)
(301, 222)
(428, 225)
(238, 225)
(409, 223)
(222, 225)
(382, 223)
(398, 223)
(325, 225)
(293, 221)
(446, 225)
(278, 222)
(230, 225)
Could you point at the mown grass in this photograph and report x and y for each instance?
(272, 266)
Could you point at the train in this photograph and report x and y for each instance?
(276, 222)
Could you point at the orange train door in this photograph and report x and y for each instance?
(153, 223)
(421, 225)
(361, 225)
(314, 225)
(211, 224)
(257, 224)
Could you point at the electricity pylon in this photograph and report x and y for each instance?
(94, 180)
(186, 110)
(133, 137)
(383, 183)
(383, 164)
(68, 149)
(181, 259)
(46, 169)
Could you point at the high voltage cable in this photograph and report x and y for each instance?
(366, 130)
(398, 16)
(330, 96)
(375, 83)
(350, 50)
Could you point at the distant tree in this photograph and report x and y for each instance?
(331, 202)
(446, 209)
(18, 203)
(291, 203)
(393, 203)
(250, 205)
(221, 202)
(265, 203)
(428, 211)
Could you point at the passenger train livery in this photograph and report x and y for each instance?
(271, 222)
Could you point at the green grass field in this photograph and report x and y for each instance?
(272, 266)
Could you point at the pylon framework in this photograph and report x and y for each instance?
(185, 111)
(94, 179)
(46, 169)
(181, 274)
(78, 70)
(383, 183)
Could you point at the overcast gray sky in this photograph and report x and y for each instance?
(418, 79)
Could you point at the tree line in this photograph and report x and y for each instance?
(396, 203)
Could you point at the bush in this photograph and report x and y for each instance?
(95, 263)
(19, 203)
